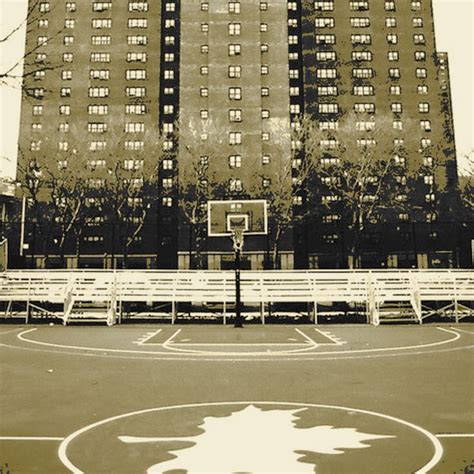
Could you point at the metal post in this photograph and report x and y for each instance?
(238, 317)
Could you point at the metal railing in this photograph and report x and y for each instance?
(315, 287)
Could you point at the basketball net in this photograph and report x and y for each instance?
(238, 239)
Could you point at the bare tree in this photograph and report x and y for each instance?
(29, 64)
(198, 182)
(361, 174)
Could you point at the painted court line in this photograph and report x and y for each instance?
(168, 341)
(148, 337)
(30, 438)
(310, 341)
(464, 331)
(358, 353)
(328, 335)
(10, 331)
(437, 447)
(455, 435)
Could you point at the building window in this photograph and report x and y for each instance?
(321, 5)
(99, 40)
(235, 138)
(364, 108)
(425, 125)
(326, 73)
(394, 73)
(235, 185)
(135, 109)
(137, 6)
(37, 110)
(393, 55)
(99, 23)
(204, 6)
(235, 115)
(395, 90)
(419, 39)
(64, 110)
(423, 107)
(234, 49)
(170, 7)
(66, 75)
(233, 7)
(421, 73)
(204, 27)
(170, 40)
(98, 109)
(204, 70)
(235, 161)
(361, 39)
(235, 93)
(204, 92)
(98, 91)
(69, 23)
(100, 57)
(328, 108)
(96, 127)
(396, 107)
(360, 22)
(168, 109)
(204, 114)
(70, 7)
(392, 38)
(138, 40)
(204, 49)
(101, 6)
(135, 91)
(363, 73)
(65, 92)
(263, 6)
(234, 71)
(137, 23)
(67, 57)
(234, 29)
(135, 74)
(360, 56)
(137, 57)
(422, 89)
(420, 56)
(167, 201)
(363, 90)
(263, 27)
(265, 91)
(264, 69)
(390, 22)
(325, 55)
(168, 74)
(101, 74)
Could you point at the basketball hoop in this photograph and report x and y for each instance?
(238, 239)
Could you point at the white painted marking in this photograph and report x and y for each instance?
(455, 435)
(464, 331)
(168, 341)
(243, 344)
(241, 356)
(148, 336)
(437, 455)
(10, 331)
(282, 356)
(310, 341)
(30, 438)
(334, 339)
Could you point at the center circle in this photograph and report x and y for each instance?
(250, 436)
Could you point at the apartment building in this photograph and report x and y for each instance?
(226, 83)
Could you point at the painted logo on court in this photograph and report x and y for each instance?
(249, 437)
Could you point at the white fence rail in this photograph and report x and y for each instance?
(371, 287)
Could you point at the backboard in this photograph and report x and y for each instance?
(223, 216)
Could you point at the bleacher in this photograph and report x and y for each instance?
(99, 295)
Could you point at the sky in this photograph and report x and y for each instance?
(454, 34)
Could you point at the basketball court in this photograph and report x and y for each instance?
(218, 399)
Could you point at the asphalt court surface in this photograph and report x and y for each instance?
(162, 398)
(225, 341)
